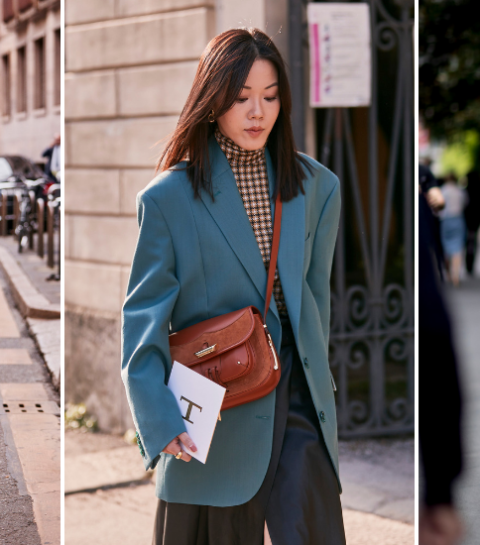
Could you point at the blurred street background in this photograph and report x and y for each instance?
(129, 67)
(450, 147)
(30, 172)
(465, 308)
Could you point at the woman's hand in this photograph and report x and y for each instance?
(435, 199)
(174, 446)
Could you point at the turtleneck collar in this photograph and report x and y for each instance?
(237, 155)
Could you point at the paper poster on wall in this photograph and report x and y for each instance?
(340, 55)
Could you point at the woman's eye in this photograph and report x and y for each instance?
(242, 100)
(270, 99)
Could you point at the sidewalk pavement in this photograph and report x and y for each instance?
(29, 435)
(464, 303)
(111, 499)
(37, 299)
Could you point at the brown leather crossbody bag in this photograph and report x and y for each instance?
(235, 349)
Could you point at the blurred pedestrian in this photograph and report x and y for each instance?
(429, 186)
(472, 219)
(439, 429)
(452, 227)
(53, 154)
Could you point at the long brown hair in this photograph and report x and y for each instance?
(223, 69)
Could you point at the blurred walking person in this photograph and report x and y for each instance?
(472, 219)
(53, 166)
(452, 227)
(429, 186)
(440, 438)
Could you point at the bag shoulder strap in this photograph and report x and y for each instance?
(272, 267)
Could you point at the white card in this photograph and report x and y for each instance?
(199, 400)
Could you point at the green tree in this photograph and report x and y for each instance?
(449, 64)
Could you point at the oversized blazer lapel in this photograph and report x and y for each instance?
(228, 212)
(291, 250)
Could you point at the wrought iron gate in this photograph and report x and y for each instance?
(371, 151)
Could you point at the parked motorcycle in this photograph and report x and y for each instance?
(28, 221)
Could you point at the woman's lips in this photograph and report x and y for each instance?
(254, 131)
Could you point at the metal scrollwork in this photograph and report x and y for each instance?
(358, 412)
(386, 36)
(397, 411)
(397, 350)
(371, 334)
(394, 305)
(358, 355)
(359, 315)
(334, 312)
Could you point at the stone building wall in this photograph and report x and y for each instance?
(129, 68)
(30, 131)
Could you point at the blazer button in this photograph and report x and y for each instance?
(322, 416)
(305, 361)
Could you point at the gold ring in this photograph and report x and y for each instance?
(179, 455)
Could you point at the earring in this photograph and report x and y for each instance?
(211, 117)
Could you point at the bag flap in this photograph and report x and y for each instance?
(212, 337)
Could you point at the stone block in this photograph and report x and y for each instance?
(14, 356)
(69, 226)
(120, 143)
(13, 391)
(87, 11)
(92, 367)
(157, 90)
(128, 8)
(149, 39)
(93, 286)
(66, 236)
(103, 239)
(249, 13)
(94, 191)
(90, 95)
(131, 182)
(278, 25)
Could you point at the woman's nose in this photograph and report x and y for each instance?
(256, 112)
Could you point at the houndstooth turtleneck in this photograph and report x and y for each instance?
(250, 170)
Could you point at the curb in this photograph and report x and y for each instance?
(46, 334)
(42, 317)
(31, 303)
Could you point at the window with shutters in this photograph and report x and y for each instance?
(8, 12)
(23, 5)
(39, 97)
(57, 67)
(22, 79)
(6, 85)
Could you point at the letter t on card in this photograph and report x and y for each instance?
(199, 400)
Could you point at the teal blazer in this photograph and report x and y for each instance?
(196, 259)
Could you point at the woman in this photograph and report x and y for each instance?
(452, 227)
(203, 250)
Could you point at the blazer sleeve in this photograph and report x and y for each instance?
(151, 295)
(318, 276)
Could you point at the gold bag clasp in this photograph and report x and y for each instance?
(205, 351)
